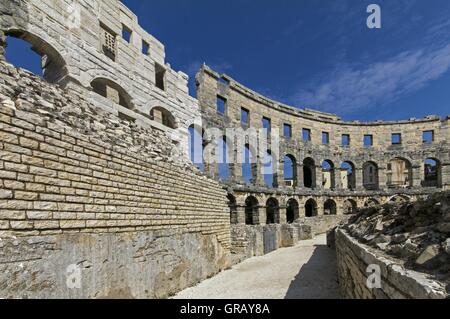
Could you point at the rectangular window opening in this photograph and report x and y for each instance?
(325, 138)
(345, 140)
(396, 139)
(221, 104)
(428, 137)
(306, 134)
(368, 140)
(160, 74)
(145, 48)
(126, 33)
(287, 130)
(266, 123)
(245, 116)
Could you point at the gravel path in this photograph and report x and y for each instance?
(306, 271)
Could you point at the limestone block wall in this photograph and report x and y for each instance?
(80, 188)
(353, 258)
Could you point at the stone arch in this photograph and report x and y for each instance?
(399, 173)
(232, 204)
(350, 206)
(330, 207)
(309, 173)
(272, 211)
(399, 199)
(112, 91)
(163, 116)
(292, 211)
(53, 63)
(328, 175)
(348, 175)
(370, 176)
(311, 208)
(290, 170)
(432, 176)
(251, 210)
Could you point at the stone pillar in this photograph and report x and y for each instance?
(359, 179)
(279, 183)
(257, 173)
(2, 45)
(318, 178)
(299, 176)
(337, 178)
(240, 214)
(382, 178)
(283, 214)
(445, 176)
(416, 175)
(262, 217)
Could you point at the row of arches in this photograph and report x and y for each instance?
(43, 60)
(271, 209)
(399, 173)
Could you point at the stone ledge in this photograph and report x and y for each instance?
(397, 282)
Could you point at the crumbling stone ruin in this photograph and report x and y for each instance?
(99, 196)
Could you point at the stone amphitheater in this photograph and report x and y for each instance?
(100, 196)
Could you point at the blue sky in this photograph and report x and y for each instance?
(316, 54)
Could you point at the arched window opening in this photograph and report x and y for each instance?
(399, 173)
(272, 211)
(292, 211)
(233, 209)
(27, 51)
(348, 176)
(309, 173)
(163, 116)
(290, 171)
(112, 91)
(310, 208)
(432, 173)
(268, 169)
(251, 211)
(224, 159)
(249, 169)
(329, 207)
(370, 176)
(328, 178)
(350, 207)
(196, 146)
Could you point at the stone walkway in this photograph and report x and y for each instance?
(307, 271)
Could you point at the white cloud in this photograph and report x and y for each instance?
(350, 89)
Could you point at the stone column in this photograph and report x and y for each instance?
(299, 176)
(382, 178)
(2, 45)
(337, 178)
(283, 215)
(262, 215)
(416, 175)
(317, 184)
(240, 214)
(359, 179)
(445, 176)
(279, 183)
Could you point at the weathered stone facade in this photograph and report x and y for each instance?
(95, 171)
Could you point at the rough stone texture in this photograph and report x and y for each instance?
(80, 186)
(414, 232)
(397, 282)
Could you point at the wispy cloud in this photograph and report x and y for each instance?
(350, 88)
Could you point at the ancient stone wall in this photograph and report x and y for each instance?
(353, 259)
(113, 200)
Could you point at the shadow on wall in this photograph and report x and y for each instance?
(317, 279)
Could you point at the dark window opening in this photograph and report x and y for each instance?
(245, 116)
(145, 48)
(310, 208)
(108, 38)
(266, 123)
(292, 211)
(160, 74)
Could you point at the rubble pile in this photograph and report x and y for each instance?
(417, 233)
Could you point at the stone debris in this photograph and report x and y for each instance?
(415, 232)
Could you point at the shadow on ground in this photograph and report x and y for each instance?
(317, 279)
